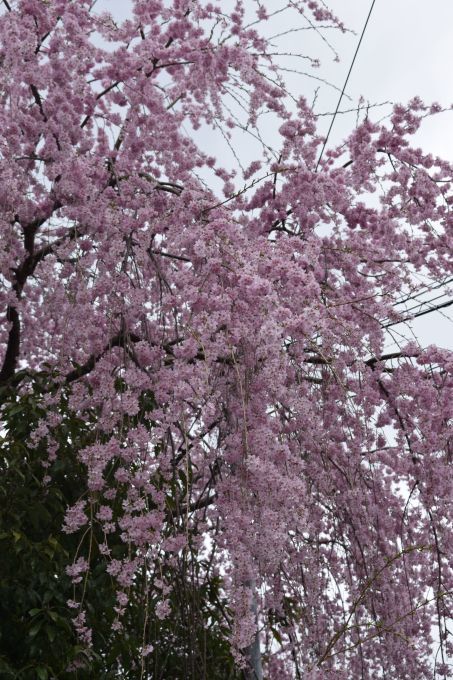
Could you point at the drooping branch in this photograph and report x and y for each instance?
(363, 593)
(391, 403)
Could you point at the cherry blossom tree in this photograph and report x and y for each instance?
(208, 344)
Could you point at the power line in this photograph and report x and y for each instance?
(345, 84)
(448, 303)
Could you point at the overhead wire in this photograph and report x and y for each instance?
(345, 85)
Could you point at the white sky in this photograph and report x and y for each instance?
(407, 50)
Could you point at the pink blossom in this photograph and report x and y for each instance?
(221, 333)
(162, 609)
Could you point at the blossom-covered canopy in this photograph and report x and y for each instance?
(226, 331)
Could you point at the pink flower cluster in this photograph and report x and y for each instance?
(229, 345)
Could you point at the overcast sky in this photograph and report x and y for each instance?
(407, 50)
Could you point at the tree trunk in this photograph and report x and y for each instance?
(254, 670)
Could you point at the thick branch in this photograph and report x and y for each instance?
(21, 274)
(119, 340)
(13, 345)
(38, 100)
(386, 357)
(169, 187)
(99, 96)
(201, 503)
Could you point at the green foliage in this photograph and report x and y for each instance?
(37, 638)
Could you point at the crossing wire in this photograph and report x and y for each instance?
(345, 84)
